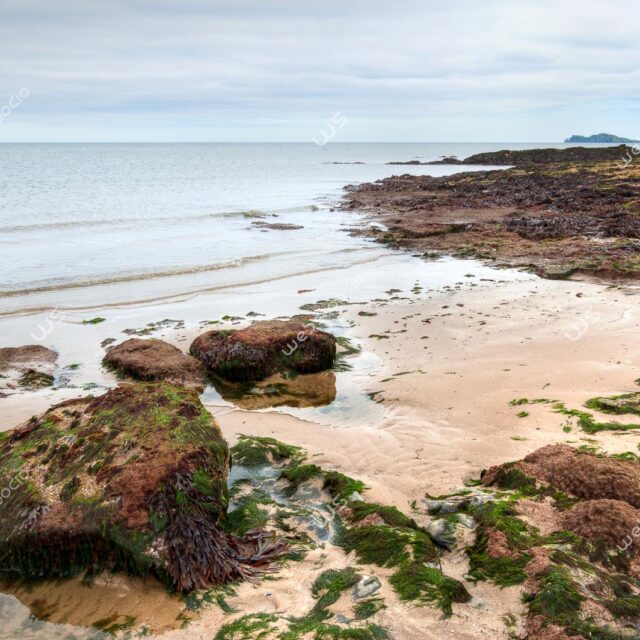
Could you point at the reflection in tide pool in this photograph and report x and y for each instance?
(334, 398)
(16, 622)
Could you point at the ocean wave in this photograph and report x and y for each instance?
(164, 273)
(372, 254)
(143, 275)
(106, 222)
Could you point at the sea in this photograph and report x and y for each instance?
(88, 225)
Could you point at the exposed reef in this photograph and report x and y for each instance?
(557, 212)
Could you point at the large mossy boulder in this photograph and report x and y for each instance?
(265, 348)
(134, 480)
(154, 359)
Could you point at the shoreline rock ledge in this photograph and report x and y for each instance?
(265, 348)
(135, 481)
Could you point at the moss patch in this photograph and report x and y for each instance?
(251, 451)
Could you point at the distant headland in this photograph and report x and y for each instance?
(601, 138)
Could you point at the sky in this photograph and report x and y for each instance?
(279, 70)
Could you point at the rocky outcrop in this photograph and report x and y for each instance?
(30, 366)
(156, 360)
(265, 348)
(134, 480)
(558, 212)
(529, 157)
(581, 474)
(608, 489)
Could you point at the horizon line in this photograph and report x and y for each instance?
(310, 142)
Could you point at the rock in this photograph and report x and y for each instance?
(265, 348)
(30, 366)
(366, 587)
(456, 503)
(466, 521)
(34, 379)
(613, 522)
(156, 360)
(581, 474)
(134, 480)
(443, 533)
(528, 157)
(278, 226)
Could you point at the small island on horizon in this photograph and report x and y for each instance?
(599, 138)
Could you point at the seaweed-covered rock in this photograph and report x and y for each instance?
(443, 533)
(265, 348)
(613, 522)
(539, 629)
(30, 366)
(579, 473)
(155, 360)
(133, 480)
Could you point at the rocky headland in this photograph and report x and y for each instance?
(557, 212)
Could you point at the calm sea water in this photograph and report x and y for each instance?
(91, 224)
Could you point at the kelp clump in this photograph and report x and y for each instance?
(134, 480)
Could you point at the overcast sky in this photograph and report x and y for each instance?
(267, 70)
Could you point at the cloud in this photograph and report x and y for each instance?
(189, 70)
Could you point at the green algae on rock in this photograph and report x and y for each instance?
(265, 348)
(133, 480)
(579, 570)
